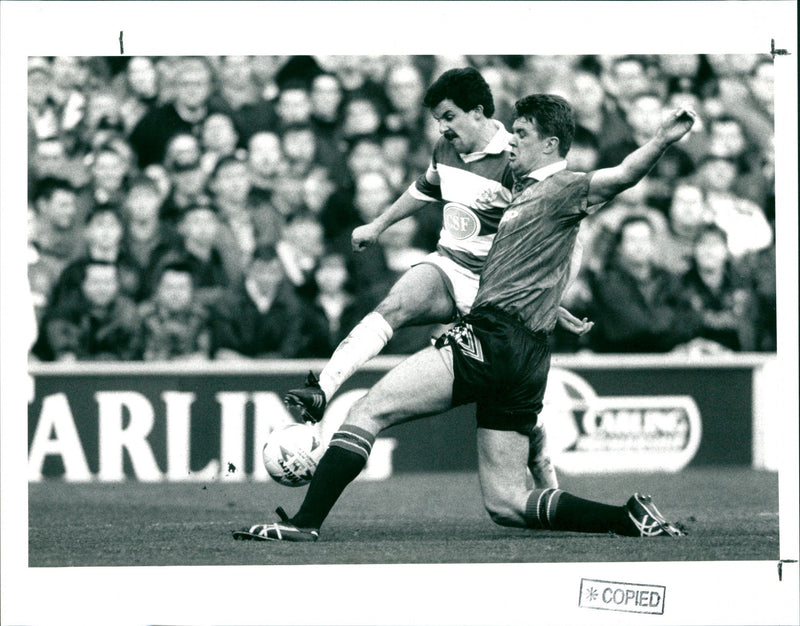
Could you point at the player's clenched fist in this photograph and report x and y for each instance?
(364, 236)
(677, 124)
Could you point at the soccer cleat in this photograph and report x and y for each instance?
(648, 519)
(278, 531)
(310, 400)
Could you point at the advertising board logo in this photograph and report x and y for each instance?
(591, 433)
(460, 221)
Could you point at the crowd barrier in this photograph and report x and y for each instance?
(208, 421)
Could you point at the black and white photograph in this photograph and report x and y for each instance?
(399, 313)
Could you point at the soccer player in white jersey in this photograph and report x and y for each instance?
(498, 355)
(466, 173)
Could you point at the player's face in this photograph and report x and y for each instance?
(527, 147)
(461, 128)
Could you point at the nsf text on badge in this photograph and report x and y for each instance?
(616, 596)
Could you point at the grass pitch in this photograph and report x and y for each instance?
(730, 514)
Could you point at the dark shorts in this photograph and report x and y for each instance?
(501, 366)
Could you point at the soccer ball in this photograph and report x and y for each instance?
(291, 454)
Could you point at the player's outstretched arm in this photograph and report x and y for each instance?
(607, 183)
(366, 235)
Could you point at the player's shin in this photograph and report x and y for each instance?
(364, 342)
(553, 509)
(346, 456)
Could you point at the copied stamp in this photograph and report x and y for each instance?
(617, 596)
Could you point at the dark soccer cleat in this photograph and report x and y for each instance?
(310, 400)
(278, 531)
(648, 519)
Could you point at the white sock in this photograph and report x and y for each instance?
(365, 341)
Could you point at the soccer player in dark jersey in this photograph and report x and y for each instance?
(468, 173)
(497, 355)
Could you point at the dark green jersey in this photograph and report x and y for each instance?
(528, 265)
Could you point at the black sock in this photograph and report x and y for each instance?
(554, 509)
(339, 466)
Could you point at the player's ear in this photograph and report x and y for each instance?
(551, 145)
(478, 111)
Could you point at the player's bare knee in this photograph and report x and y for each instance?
(367, 414)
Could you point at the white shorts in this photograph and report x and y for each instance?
(461, 282)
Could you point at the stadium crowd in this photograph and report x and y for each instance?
(201, 207)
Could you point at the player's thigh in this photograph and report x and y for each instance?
(420, 296)
(419, 386)
(503, 469)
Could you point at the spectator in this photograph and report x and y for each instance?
(333, 298)
(59, 233)
(727, 140)
(742, 220)
(44, 119)
(267, 221)
(109, 169)
(688, 214)
(102, 120)
(174, 326)
(404, 90)
(143, 229)
(299, 146)
(719, 295)
(327, 99)
(299, 250)
(761, 274)
(626, 77)
(140, 88)
(230, 188)
(198, 230)
(103, 235)
(684, 72)
(218, 139)
(638, 307)
(185, 114)
(293, 105)
(95, 322)
(265, 317)
(397, 150)
(361, 117)
(188, 182)
(599, 231)
(265, 160)
(49, 159)
(237, 84)
(584, 154)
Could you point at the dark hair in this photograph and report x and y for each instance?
(552, 115)
(224, 161)
(46, 187)
(82, 268)
(465, 87)
(99, 209)
(178, 265)
(616, 239)
(711, 229)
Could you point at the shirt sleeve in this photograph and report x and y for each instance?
(428, 186)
